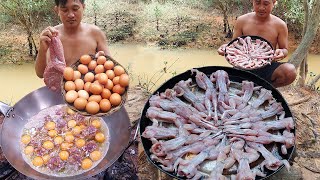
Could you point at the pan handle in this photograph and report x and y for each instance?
(5, 110)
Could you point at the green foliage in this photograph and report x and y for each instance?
(185, 37)
(120, 26)
(4, 50)
(28, 12)
(292, 12)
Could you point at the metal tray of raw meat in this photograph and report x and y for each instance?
(255, 57)
(236, 76)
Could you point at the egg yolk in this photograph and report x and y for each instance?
(58, 140)
(48, 145)
(86, 164)
(80, 143)
(50, 125)
(99, 137)
(69, 138)
(37, 161)
(76, 130)
(82, 126)
(64, 146)
(95, 155)
(70, 111)
(52, 133)
(96, 123)
(45, 158)
(25, 139)
(72, 123)
(64, 155)
(28, 150)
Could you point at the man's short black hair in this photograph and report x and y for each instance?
(64, 2)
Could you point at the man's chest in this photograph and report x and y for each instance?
(267, 32)
(76, 47)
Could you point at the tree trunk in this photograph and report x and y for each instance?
(157, 24)
(35, 47)
(30, 46)
(303, 72)
(225, 21)
(304, 64)
(311, 30)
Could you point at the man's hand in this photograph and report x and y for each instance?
(45, 37)
(99, 53)
(280, 54)
(221, 49)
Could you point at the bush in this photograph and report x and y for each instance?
(120, 25)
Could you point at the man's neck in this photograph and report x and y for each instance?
(263, 19)
(73, 30)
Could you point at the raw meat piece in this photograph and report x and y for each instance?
(53, 73)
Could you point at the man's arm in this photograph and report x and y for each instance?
(101, 41)
(45, 40)
(41, 62)
(282, 50)
(237, 31)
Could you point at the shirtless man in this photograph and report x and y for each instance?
(262, 23)
(77, 38)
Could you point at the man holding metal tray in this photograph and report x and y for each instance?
(262, 23)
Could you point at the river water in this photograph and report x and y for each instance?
(144, 63)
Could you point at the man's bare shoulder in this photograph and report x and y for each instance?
(92, 28)
(245, 17)
(278, 22)
(58, 27)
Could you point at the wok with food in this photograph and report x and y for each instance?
(217, 123)
(43, 139)
(60, 142)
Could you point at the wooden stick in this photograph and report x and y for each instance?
(313, 123)
(300, 101)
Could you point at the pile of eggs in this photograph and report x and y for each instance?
(95, 85)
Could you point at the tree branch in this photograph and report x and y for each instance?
(314, 81)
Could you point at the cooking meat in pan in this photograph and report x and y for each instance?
(248, 53)
(214, 128)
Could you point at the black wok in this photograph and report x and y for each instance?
(16, 117)
(234, 75)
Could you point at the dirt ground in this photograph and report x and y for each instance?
(305, 107)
